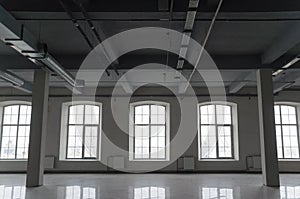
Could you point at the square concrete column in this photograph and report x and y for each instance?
(267, 128)
(38, 128)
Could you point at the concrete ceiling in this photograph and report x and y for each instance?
(242, 37)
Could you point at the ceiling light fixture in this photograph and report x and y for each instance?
(11, 78)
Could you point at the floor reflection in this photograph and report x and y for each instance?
(12, 192)
(216, 193)
(149, 192)
(78, 192)
(290, 192)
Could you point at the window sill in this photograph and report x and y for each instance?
(133, 160)
(13, 160)
(79, 160)
(289, 160)
(218, 160)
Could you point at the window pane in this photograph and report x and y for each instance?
(141, 131)
(223, 114)
(218, 193)
(15, 132)
(279, 141)
(84, 121)
(75, 140)
(149, 193)
(286, 131)
(147, 144)
(8, 144)
(90, 142)
(76, 114)
(73, 192)
(142, 142)
(25, 114)
(91, 114)
(207, 114)
(23, 142)
(11, 114)
(208, 142)
(89, 193)
(289, 136)
(276, 110)
(157, 114)
(216, 144)
(224, 140)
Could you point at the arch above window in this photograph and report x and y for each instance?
(149, 131)
(217, 131)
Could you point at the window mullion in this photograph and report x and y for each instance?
(1, 133)
(150, 122)
(281, 126)
(17, 136)
(217, 132)
(83, 133)
(201, 151)
(297, 127)
(98, 134)
(232, 134)
(68, 127)
(134, 125)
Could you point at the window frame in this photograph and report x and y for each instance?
(234, 131)
(297, 109)
(2, 106)
(132, 134)
(218, 191)
(64, 132)
(135, 189)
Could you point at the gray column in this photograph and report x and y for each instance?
(267, 128)
(38, 128)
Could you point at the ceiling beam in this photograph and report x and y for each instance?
(240, 82)
(285, 80)
(128, 88)
(154, 16)
(282, 45)
(69, 61)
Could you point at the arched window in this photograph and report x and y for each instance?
(217, 131)
(286, 131)
(15, 129)
(81, 127)
(149, 131)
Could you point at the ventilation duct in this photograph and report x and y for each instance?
(19, 38)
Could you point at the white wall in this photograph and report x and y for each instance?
(248, 134)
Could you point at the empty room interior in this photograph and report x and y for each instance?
(152, 99)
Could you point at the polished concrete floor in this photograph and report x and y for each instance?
(155, 186)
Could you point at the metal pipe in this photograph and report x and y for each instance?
(205, 41)
(91, 25)
(75, 22)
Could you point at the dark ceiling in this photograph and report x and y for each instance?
(152, 5)
(243, 32)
